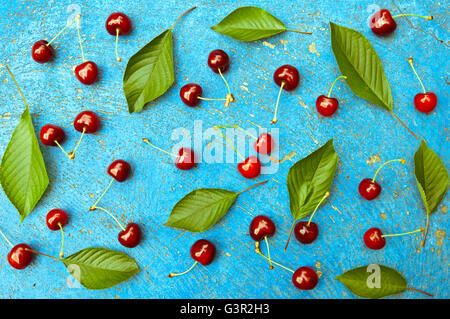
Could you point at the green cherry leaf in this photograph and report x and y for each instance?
(249, 23)
(373, 281)
(23, 175)
(310, 178)
(100, 268)
(358, 61)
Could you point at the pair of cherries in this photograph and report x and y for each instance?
(251, 166)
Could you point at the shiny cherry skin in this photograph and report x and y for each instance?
(118, 21)
(264, 144)
(261, 227)
(185, 159)
(304, 233)
(55, 217)
(288, 75)
(19, 257)
(119, 170)
(131, 236)
(51, 133)
(41, 52)
(86, 72)
(382, 22)
(368, 189)
(425, 102)
(250, 168)
(326, 106)
(189, 94)
(373, 239)
(305, 278)
(88, 121)
(218, 59)
(203, 251)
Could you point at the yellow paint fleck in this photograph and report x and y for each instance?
(440, 234)
(312, 49)
(373, 159)
(383, 215)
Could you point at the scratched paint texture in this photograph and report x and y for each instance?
(360, 130)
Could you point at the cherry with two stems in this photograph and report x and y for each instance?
(184, 160)
(260, 228)
(20, 255)
(424, 102)
(369, 188)
(383, 23)
(286, 77)
(87, 71)
(374, 238)
(326, 105)
(202, 251)
(118, 24)
(219, 62)
(56, 219)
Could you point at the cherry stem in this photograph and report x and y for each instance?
(18, 87)
(320, 202)
(63, 150)
(229, 142)
(67, 25)
(411, 232)
(422, 292)
(404, 125)
(290, 234)
(61, 253)
(332, 85)
(274, 120)
(79, 40)
(401, 160)
(239, 128)
(6, 238)
(183, 16)
(117, 41)
(268, 252)
(145, 140)
(207, 99)
(38, 253)
(171, 275)
(226, 83)
(93, 207)
(258, 251)
(298, 31)
(104, 210)
(72, 153)
(410, 61)
(250, 187)
(426, 231)
(412, 15)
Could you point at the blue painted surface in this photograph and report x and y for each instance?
(359, 128)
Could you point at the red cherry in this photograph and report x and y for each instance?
(86, 72)
(264, 144)
(118, 21)
(373, 239)
(305, 233)
(382, 22)
(218, 59)
(288, 75)
(326, 106)
(260, 227)
(185, 159)
(131, 236)
(55, 217)
(250, 168)
(203, 251)
(189, 94)
(19, 257)
(119, 170)
(51, 133)
(305, 278)
(425, 102)
(87, 121)
(369, 189)
(41, 52)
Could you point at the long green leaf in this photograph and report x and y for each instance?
(358, 61)
(23, 175)
(149, 72)
(310, 178)
(100, 268)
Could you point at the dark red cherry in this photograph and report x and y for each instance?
(369, 189)
(260, 227)
(189, 94)
(119, 170)
(86, 72)
(19, 257)
(203, 251)
(304, 233)
(382, 22)
(288, 75)
(185, 159)
(51, 133)
(264, 144)
(131, 236)
(250, 168)
(305, 278)
(425, 102)
(326, 106)
(218, 59)
(56, 217)
(88, 121)
(373, 239)
(41, 52)
(118, 21)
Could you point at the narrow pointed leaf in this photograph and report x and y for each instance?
(23, 175)
(358, 61)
